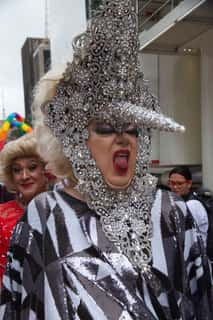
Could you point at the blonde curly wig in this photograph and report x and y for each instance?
(48, 145)
(25, 146)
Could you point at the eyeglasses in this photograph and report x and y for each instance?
(177, 183)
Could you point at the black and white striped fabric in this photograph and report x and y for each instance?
(61, 266)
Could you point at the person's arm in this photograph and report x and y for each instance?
(198, 276)
(21, 261)
(11, 291)
(196, 292)
(33, 268)
(200, 216)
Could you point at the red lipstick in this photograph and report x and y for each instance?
(27, 185)
(120, 161)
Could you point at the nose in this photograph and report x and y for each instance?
(25, 173)
(122, 139)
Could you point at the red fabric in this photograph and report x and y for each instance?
(2, 143)
(10, 212)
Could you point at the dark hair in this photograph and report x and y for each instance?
(183, 171)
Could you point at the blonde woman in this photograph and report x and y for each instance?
(23, 172)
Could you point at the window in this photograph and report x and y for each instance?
(91, 6)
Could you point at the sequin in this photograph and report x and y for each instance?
(104, 82)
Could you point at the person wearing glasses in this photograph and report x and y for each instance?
(180, 182)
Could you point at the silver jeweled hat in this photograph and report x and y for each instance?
(104, 82)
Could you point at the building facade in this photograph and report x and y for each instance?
(36, 61)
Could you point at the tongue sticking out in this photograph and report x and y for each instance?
(121, 163)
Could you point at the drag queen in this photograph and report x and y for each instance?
(107, 246)
(23, 172)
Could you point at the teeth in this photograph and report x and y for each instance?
(122, 155)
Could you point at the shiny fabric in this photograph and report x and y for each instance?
(61, 266)
(10, 212)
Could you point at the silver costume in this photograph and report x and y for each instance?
(121, 255)
(104, 82)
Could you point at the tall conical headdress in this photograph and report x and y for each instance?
(104, 79)
(104, 82)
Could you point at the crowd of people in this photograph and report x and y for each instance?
(104, 243)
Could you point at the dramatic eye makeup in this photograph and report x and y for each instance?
(103, 128)
(15, 169)
(33, 166)
(132, 131)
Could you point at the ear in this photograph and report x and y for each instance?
(190, 183)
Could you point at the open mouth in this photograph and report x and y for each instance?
(120, 161)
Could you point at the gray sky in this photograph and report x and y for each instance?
(19, 19)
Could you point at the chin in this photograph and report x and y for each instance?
(118, 185)
(29, 193)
